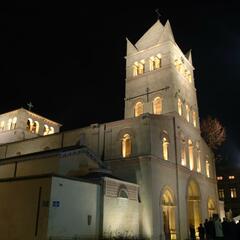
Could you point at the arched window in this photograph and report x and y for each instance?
(51, 130)
(179, 106)
(138, 68)
(183, 152)
(187, 113)
(165, 146)
(2, 125)
(35, 127)
(138, 109)
(207, 167)
(198, 158)
(45, 130)
(29, 124)
(190, 152)
(157, 105)
(14, 123)
(194, 118)
(155, 62)
(122, 193)
(126, 145)
(9, 125)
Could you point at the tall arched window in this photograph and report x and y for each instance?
(179, 106)
(2, 125)
(198, 158)
(9, 125)
(187, 113)
(207, 167)
(194, 118)
(165, 146)
(45, 130)
(138, 109)
(126, 145)
(35, 127)
(14, 123)
(190, 152)
(29, 124)
(183, 152)
(157, 105)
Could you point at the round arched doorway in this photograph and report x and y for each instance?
(193, 203)
(168, 213)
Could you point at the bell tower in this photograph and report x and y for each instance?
(159, 77)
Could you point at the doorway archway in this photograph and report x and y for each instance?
(168, 213)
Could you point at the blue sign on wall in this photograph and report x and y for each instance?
(56, 203)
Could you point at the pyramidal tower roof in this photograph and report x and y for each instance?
(155, 35)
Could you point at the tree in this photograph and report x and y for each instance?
(213, 132)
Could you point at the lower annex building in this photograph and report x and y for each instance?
(150, 174)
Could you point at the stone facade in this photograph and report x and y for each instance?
(168, 172)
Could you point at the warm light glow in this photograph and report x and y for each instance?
(51, 130)
(194, 119)
(220, 178)
(29, 124)
(221, 193)
(138, 68)
(9, 124)
(35, 127)
(14, 123)
(126, 146)
(179, 106)
(211, 208)
(155, 62)
(187, 113)
(231, 177)
(157, 105)
(207, 168)
(2, 125)
(233, 192)
(165, 148)
(198, 160)
(46, 130)
(138, 109)
(183, 153)
(190, 152)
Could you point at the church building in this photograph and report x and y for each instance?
(149, 175)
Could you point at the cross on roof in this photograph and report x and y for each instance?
(158, 13)
(30, 106)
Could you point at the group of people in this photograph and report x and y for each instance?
(214, 229)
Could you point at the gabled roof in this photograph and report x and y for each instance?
(155, 35)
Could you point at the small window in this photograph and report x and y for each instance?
(231, 177)
(14, 123)
(220, 178)
(165, 146)
(233, 192)
(51, 130)
(221, 193)
(29, 124)
(9, 125)
(138, 109)
(126, 146)
(194, 118)
(198, 159)
(123, 193)
(190, 152)
(179, 106)
(187, 113)
(2, 125)
(138, 68)
(207, 169)
(183, 153)
(157, 105)
(45, 130)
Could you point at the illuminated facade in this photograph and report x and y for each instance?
(161, 173)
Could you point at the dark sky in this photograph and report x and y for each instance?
(70, 64)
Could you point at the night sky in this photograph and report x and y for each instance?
(70, 64)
